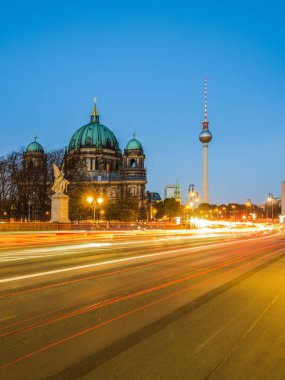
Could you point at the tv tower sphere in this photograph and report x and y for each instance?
(205, 137)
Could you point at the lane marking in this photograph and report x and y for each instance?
(6, 318)
(133, 258)
(225, 359)
(275, 299)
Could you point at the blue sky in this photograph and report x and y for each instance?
(145, 61)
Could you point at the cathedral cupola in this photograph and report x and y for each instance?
(134, 144)
(34, 146)
(34, 156)
(134, 155)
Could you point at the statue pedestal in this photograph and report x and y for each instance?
(59, 208)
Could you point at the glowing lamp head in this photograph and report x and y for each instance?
(90, 200)
(100, 200)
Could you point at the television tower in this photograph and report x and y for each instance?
(205, 137)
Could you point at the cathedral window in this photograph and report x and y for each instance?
(132, 191)
(88, 164)
(88, 141)
(133, 163)
(108, 143)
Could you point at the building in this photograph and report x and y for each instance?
(173, 191)
(205, 137)
(94, 161)
(33, 182)
(282, 218)
(153, 197)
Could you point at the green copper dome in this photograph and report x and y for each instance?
(134, 144)
(93, 135)
(35, 147)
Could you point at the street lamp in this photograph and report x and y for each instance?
(193, 197)
(248, 204)
(196, 201)
(233, 207)
(95, 204)
(270, 199)
(29, 211)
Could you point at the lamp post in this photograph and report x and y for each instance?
(248, 204)
(270, 199)
(233, 207)
(196, 201)
(191, 205)
(193, 197)
(95, 204)
(29, 211)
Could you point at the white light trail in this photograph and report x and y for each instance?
(127, 259)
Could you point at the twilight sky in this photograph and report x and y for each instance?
(145, 61)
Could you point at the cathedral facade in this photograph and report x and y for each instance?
(94, 161)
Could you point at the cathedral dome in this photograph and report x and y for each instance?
(134, 144)
(35, 147)
(93, 135)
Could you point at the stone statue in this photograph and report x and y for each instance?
(60, 183)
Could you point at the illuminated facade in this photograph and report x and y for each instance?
(94, 159)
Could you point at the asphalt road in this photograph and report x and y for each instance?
(142, 306)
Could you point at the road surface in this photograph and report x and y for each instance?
(143, 306)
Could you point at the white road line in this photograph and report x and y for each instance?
(69, 269)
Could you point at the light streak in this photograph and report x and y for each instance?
(115, 299)
(234, 258)
(130, 312)
(127, 259)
